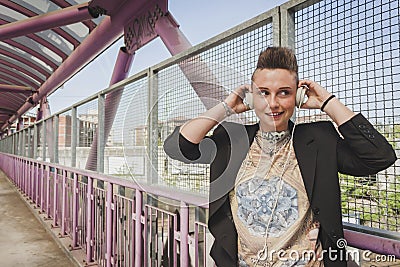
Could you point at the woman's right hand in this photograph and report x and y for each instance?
(235, 99)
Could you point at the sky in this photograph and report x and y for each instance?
(199, 21)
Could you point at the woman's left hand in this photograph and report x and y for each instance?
(316, 94)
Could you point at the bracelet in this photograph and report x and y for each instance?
(228, 110)
(326, 102)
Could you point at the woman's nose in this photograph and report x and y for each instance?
(272, 102)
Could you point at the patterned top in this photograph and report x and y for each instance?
(260, 186)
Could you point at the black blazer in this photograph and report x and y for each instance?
(321, 154)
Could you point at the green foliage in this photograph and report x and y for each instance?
(376, 207)
(391, 133)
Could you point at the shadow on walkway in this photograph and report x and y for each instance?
(23, 239)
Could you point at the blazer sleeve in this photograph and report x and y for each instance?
(177, 147)
(363, 150)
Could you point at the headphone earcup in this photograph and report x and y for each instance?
(300, 96)
(248, 100)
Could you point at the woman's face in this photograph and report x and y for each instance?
(274, 93)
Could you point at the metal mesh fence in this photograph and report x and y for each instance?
(65, 138)
(187, 89)
(125, 152)
(87, 120)
(352, 48)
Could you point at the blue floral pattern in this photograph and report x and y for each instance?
(256, 198)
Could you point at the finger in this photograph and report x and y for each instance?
(241, 90)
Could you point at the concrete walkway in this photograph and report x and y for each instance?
(23, 240)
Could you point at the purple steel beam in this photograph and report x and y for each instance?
(101, 37)
(175, 41)
(29, 13)
(121, 71)
(196, 71)
(40, 40)
(63, 4)
(46, 21)
(173, 38)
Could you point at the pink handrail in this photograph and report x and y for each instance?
(34, 179)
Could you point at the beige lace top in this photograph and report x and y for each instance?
(268, 177)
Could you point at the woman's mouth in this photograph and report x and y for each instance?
(274, 115)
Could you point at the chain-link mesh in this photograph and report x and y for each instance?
(87, 121)
(188, 88)
(352, 48)
(65, 138)
(125, 152)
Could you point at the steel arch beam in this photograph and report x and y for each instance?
(19, 77)
(32, 52)
(25, 61)
(48, 21)
(20, 69)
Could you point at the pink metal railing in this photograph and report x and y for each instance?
(112, 229)
(116, 230)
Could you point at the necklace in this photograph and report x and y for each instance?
(271, 142)
(262, 254)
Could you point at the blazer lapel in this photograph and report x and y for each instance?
(306, 154)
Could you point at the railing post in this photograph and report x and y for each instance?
(43, 140)
(101, 138)
(55, 198)
(184, 233)
(152, 133)
(109, 225)
(75, 212)
(14, 139)
(35, 141)
(287, 27)
(26, 176)
(25, 189)
(23, 143)
(63, 201)
(37, 200)
(138, 228)
(55, 138)
(74, 134)
(33, 179)
(20, 176)
(29, 145)
(89, 221)
(48, 192)
(42, 187)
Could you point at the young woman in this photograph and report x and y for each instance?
(274, 187)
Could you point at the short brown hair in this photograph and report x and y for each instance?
(277, 58)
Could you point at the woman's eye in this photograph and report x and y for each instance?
(264, 93)
(284, 92)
